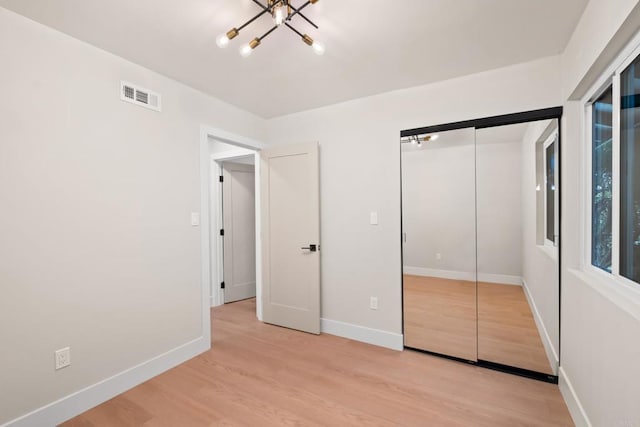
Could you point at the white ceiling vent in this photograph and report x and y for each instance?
(140, 96)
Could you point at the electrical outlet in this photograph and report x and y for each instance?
(373, 303)
(438, 255)
(63, 357)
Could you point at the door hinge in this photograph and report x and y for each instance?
(221, 285)
(221, 178)
(222, 231)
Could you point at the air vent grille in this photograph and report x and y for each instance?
(140, 96)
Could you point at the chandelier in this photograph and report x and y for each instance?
(417, 140)
(282, 11)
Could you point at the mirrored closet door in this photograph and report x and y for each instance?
(439, 236)
(517, 219)
(480, 240)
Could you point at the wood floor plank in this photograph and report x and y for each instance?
(440, 315)
(262, 375)
(507, 331)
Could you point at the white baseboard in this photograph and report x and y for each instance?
(576, 410)
(549, 347)
(503, 279)
(85, 399)
(442, 274)
(363, 334)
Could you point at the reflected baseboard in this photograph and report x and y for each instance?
(503, 279)
(549, 348)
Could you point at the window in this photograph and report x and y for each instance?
(550, 190)
(614, 128)
(630, 172)
(601, 180)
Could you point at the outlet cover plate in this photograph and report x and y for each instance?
(63, 358)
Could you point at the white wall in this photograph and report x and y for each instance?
(499, 210)
(359, 168)
(600, 347)
(97, 251)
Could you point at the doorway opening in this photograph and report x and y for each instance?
(224, 153)
(238, 229)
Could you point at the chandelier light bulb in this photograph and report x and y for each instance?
(245, 50)
(280, 14)
(318, 48)
(434, 137)
(222, 41)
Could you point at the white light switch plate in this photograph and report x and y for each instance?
(195, 219)
(373, 303)
(373, 218)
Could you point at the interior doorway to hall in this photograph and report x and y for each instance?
(238, 232)
(234, 222)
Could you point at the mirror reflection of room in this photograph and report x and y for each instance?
(480, 245)
(517, 254)
(439, 257)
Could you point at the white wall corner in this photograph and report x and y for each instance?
(363, 334)
(80, 401)
(576, 409)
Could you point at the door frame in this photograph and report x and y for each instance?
(210, 218)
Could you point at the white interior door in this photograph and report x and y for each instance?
(238, 212)
(291, 233)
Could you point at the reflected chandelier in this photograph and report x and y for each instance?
(282, 12)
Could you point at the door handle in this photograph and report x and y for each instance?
(311, 248)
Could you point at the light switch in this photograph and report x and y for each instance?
(195, 219)
(373, 219)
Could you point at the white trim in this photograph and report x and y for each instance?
(442, 274)
(576, 409)
(363, 334)
(233, 154)
(615, 180)
(624, 296)
(503, 279)
(549, 347)
(211, 258)
(82, 400)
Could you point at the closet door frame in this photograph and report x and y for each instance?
(483, 123)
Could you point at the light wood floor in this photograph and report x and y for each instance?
(507, 332)
(262, 375)
(440, 316)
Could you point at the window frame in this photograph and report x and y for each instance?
(615, 285)
(551, 139)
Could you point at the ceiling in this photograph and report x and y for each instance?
(373, 46)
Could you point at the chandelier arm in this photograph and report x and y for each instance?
(252, 19)
(265, 8)
(275, 27)
(297, 12)
(294, 30)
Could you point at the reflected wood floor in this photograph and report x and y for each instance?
(440, 316)
(507, 332)
(263, 375)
